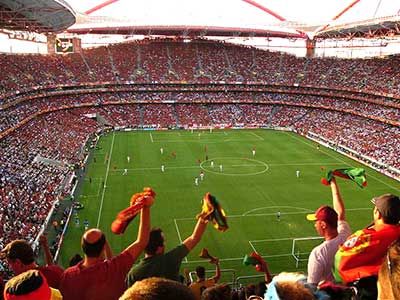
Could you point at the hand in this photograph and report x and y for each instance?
(43, 239)
(214, 261)
(148, 201)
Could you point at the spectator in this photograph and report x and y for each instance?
(358, 260)
(75, 259)
(30, 285)
(331, 224)
(157, 263)
(155, 288)
(46, 250)
(217, 292)
(96, 277)
(389, 274)
(20, 258)
(289, 286)
(202, 282)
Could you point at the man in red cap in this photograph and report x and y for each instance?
(330, 224)
(358, 260)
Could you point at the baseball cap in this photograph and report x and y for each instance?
(18, 249)
(324, 213)
(389, 207)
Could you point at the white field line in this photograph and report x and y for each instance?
(256, 135)
(179, 235)
(151, 138)
(193, 167)
(341, 160)
(240, 258)
(105, 181)
(286, 239)
(274, 213)
(251, 245)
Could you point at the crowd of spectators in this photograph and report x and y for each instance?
(101, 274)
(343, 104)
(197, 61)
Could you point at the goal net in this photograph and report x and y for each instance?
(301, 248)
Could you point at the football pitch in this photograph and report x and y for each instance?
(251, 190)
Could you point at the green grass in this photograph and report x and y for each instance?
(250, 189)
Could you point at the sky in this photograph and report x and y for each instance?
(237, 12)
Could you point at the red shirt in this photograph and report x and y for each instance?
(102, 281)
(52, 273)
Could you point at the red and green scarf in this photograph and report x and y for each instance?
(355, 174)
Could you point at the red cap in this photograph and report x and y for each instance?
(324, 213)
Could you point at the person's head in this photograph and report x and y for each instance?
(217, 292)
(387, 209)
(325, 220)
(93, 242)
(389, 274)
(200, 272)
(156, 242)
(19, 255)
(29, 285)
(155, 288)
(288, 286)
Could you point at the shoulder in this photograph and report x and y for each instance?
(71, 271)
(51, 269)
(179, 249)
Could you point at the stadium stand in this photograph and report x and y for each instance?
(50, 104)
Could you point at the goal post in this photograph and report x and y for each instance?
(301, 248)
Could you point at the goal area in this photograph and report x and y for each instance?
(301, 248)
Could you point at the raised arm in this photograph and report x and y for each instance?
(337, 200)
(217, 275)
(138, 246)
(46, 250)
(197, 234)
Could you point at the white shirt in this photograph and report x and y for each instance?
(322, 257)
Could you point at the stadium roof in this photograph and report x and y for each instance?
(283, 18)
(36, 15)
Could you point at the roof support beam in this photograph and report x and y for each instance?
(272, 13)
(339, 14)
(267, 10)
(100, 6)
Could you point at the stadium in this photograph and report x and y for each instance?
(251, 104)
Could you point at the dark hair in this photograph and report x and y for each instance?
(250, 290)
(200, 272)
(94, 249)
(217, 292)
(24, 283)
(155, 288)
(74, 260)
(155, 240)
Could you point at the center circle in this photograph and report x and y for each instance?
(228, 165)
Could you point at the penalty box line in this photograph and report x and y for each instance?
(305, 210)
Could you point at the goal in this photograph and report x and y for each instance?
(301, 248)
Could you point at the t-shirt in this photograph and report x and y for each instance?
(102, 281)
(322, 257)
(363, 252)
(198, 287)
(164, 265)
